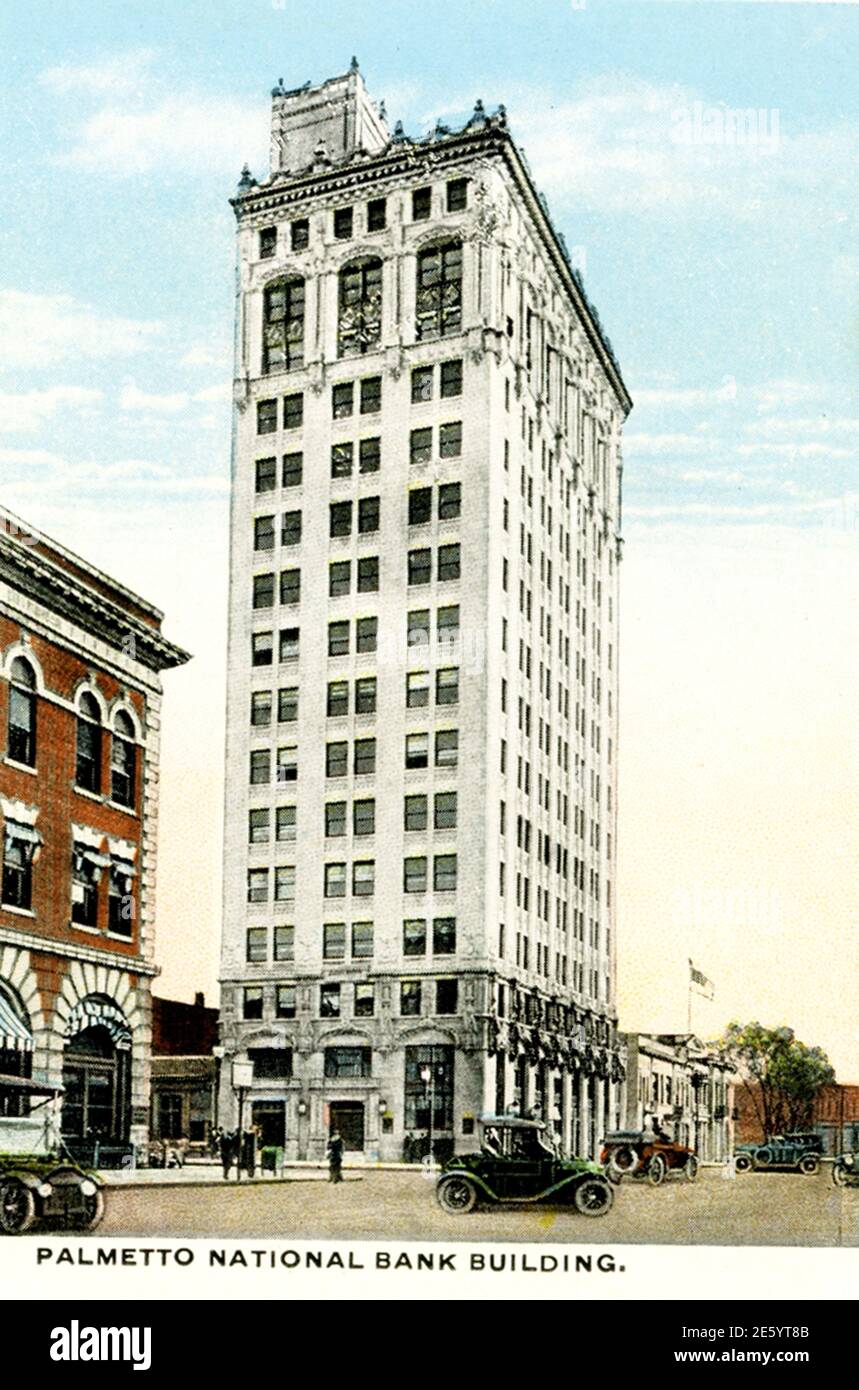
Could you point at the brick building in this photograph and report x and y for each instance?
(80, 702)
(420, 841)
(185, 1069)
(834, 1115)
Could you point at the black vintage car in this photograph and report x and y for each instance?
(517, 1163)
(797, 1152)
(37, 1184)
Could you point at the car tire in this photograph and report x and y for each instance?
(593, 1197)
(93, 1211)
(809, 1164)
(764, 1157)
(623, 1161)
(656, 1170)
(456, 1195)
(690, 1168)
(743, 1163)
(17, 1208)
(840, 1174)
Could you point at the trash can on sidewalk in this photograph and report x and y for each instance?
(271, 1159)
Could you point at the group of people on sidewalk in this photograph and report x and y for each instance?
(237, 1149)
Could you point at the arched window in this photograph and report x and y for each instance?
(21, 746)
(438, 309)
(123, 761)
(283, 326)
(360, 324)
(88, 762)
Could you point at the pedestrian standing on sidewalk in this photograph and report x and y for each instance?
(248, 1154)
(227, 1146)
(335, 1158)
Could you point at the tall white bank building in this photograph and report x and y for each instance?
(420, 843)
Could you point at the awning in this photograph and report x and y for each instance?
(123, 866)
(92, 1013)
(92, 856)
(24, 834)
(33, 1088)
(15, 1036)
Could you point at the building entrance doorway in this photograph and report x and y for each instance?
(270, 1117)
(95, 1076)
(346, 1117)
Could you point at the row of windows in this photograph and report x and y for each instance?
(363, 880)
(418, 689)
(420, 510)
(339, 938)
(369, 396)
(20, 844)
(418, 627)
(416, 816)
(375, 218)
(331, 995)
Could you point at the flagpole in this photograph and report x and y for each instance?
(689, 1001)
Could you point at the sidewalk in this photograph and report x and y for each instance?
(211, 1174)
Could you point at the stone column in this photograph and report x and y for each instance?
(584, 1117)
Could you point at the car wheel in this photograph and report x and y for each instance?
(17, 1208)
(840, 1173)
(809, 1164)
(457, 1195)
(93, 1210)
(593, 1197)
(656, 1170)
(764, 1157)
(690, 1168)
(743, 1163)
(623, 1160)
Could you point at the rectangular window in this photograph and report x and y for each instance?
(267, 243)
(448, 625)
(285, 819)
(457, 195)
(422, 384)
(341, 460)
(329, 1001)
(416, 813)
(262, 648)
(364, 818)
(340, 519)
(86, 868)
(369, 455)
(420, 446)
(257, 885)
(366, 634)
(371, 395)
(362, 941)
(418, 628)
(420, 506)
(365, 756)
(445, 811)
(260, 767)
(288, 647)
(264, 533)
(343, 223)
(450, 439)
(368, 515)
(364, 879)
(376, 215)
(338, 699)
(421, 204)
(414, 937)
(365, 695)
(261, 708)
(368, 574)
(417, 750)
(252, 1002)
(336, 759)
(287, 764)
(258, 826)
(410, 998)
(266, 475)
(335, 880)
(444, 936)
(365, 998)
(290, 587)
(447, 686)
(449, 501)
(271, 1063)
(266, 417)
(293, 465)
(451, 377)
(415, 874)
(339, 578)
(448, 563)
(420, 566)
(446, 996)
(419, 1096)
(287, 704)
(284, 943)
(444, 873)
(417, 689)
(285, 999)
(284, 884)
(293, 411)
(447, 747)
(290, 533)
(342, 399)
(348, 1061)
(256, 945)
(263, 591)
(335, 818)
(334, 941)
(300, 234)
(338, 639)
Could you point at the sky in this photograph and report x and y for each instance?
(700, 159)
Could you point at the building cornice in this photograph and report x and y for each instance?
(46, 945)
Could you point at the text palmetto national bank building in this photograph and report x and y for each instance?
(420, 840)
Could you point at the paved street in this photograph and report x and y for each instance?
(755, 1209)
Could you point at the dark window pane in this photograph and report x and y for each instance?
(368, 574)
(376, 215)
(457, 195)
(266, 475)
(292, 470)
(421, 204)
(293, 411)
(451, 378)
(371, 395)
(422, 384)
(300, 234)
(414, 937)
(420, 506)
(267, 242)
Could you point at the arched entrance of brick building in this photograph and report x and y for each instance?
(97, 1073)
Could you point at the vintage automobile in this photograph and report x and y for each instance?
(643, 1153)
(796, 1152)
(845, 1170)
(37, 1184)
(517, 1163)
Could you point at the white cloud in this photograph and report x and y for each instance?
(115, 76)
(688, 395)
(38, 472)
(185, 132)
(29, 410)
(808, 450)
(204, 355)
(777, 395)
(819, 424)
(668, 444)
(132, 398)
(41, 330)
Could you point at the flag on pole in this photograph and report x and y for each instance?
(698, 980)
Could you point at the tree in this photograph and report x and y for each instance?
(781, 1075)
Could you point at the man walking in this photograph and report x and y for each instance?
(335, 1158)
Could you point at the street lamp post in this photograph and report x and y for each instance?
(427, 1079)
(242, 1078)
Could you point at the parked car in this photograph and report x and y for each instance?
(37, 1184)
(797, 1152)
(642, 1153)
(845, 1170)
(516, 1162)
